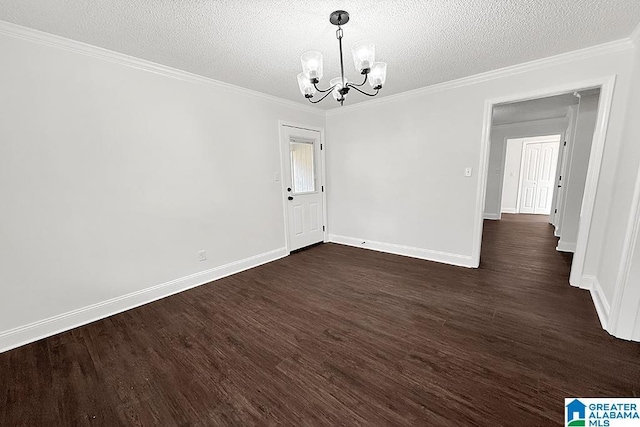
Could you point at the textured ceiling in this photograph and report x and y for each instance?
(551, 107)
(257, 44)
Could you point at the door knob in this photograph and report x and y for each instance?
(289, 189)
(290, 198)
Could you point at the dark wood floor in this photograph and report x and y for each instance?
(338, 336)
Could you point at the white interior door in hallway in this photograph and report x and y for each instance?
(302, 167)
(538, 173)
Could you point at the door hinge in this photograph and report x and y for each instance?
(560, 178)
(323, 228)
(565, 144)
(321, 146)
(556, 211)
(323, 188)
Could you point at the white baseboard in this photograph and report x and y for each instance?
(63, 322)
(509, 210)
(426, 254)
(492, 216)
(566, 246)
(556, 231)
(599, 300)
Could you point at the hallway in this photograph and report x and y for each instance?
(338, 335)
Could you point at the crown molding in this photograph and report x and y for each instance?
(563, 58)
(37, 36)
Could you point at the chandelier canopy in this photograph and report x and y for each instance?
(363, 59)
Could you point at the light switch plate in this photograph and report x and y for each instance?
(467, 171)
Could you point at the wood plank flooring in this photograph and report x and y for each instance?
(338, 336)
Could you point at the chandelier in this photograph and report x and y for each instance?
(363, 58)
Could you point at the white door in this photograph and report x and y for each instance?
(548, 160)
(538, 177)
(529, 172)
(302, 179)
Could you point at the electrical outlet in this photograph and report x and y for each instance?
(202, 256)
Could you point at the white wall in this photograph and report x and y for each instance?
(620, 284)
(579, 150)
(396, 165)
(497, 153)
(112, 178)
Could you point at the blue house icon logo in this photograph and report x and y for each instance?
(576, 413)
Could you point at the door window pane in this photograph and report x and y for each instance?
(302, 166)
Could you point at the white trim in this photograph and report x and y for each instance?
(593, 175)
(553, 212)
(63, 322)
(33, 35)
(565, 166)
(323, 178)
(636, 332)
(509, 210)
(563, 58)
(566, 246)
(413, 252)
(483, 174)
(601, 304)
(606, 85)
(492, 216)
(325, 210)
(624, 269)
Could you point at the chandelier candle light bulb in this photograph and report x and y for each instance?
(378, 75)
(306, 87)
(363, 59)
(312, 66)
(363, 56)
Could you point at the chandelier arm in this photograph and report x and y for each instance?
(327, 94)
(323, 91)
(363, 92)
(361, 84)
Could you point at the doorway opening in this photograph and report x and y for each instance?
(541, 160)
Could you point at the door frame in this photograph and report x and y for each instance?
(606, 85)
(323, 178)
(561, 169)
